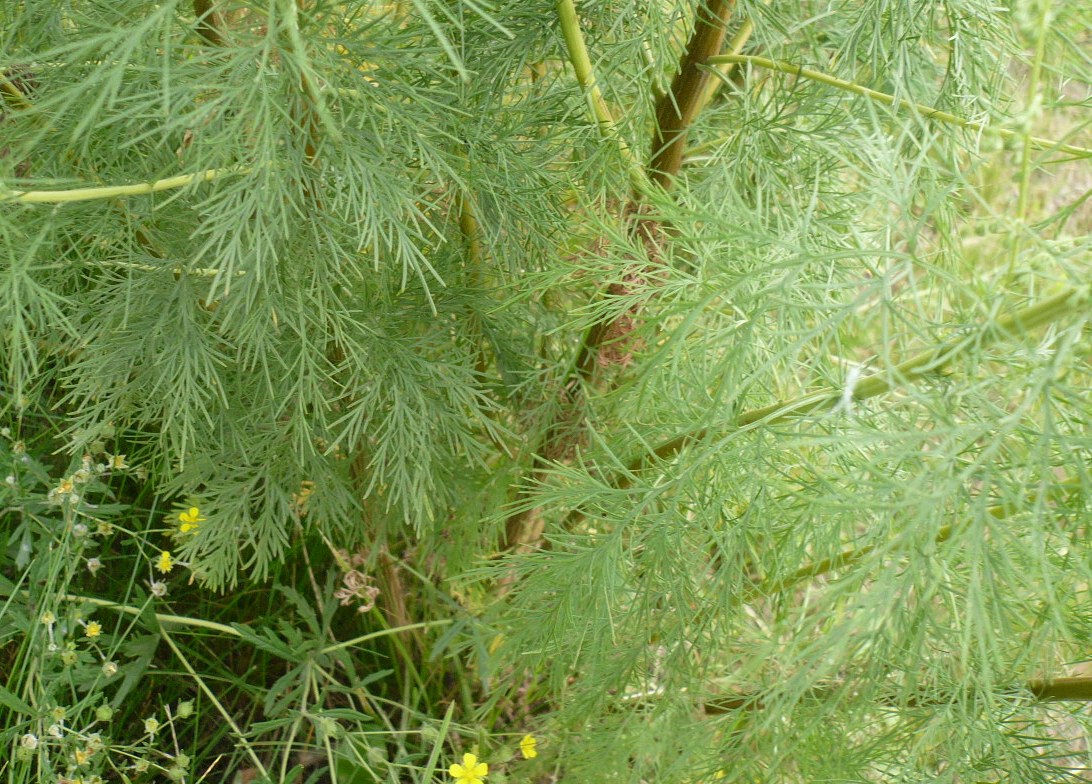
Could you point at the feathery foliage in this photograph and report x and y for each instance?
(701, 385)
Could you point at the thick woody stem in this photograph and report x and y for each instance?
(678, 108)
(209, 22)
(605, 342)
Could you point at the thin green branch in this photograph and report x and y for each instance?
(114, 191)
(106, 191)
(585, 75)
(1069, 301)
(1034, 98)
(309, 81)
(240, 736)
(201, 623)
(386, 633)
(128, 609)
(925, 111)
(1071, 689)
(522, 527)
(856, 554)
(197, 272)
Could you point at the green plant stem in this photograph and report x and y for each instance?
(240, 736)
(925, 111)
(129, 609)
(585, 76)
(385, 633)
(106, 191)
(468, 225)
(316, 104)
(200, 623)
(676, 110)
(1034, 80)
(519, 529)
(1071, 689)
(1022, 321)
(1044, 690)
(199, 272)
(856, 554)
(114, 191)
(1077, 688)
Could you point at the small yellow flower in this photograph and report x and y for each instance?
(48, 618)
(151, 725)
(527, 747)
(65, 487)
(300, 499)
(83, 756)
(190, 520)
(117, 462)
(470, 772)
(165, 562)
(92, 630)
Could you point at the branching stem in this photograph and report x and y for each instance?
(927, 112)
(585, 76)
(115, 191)
(1034, 96)
(1073, 689)
(676, 111)
(856, 554)
(1022, 321)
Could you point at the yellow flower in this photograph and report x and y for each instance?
(470, 772)
(190, 520)
(527, 747)
(65, 487)
(165, 562)
(300, 499)
(117, 462)
(92, 630)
